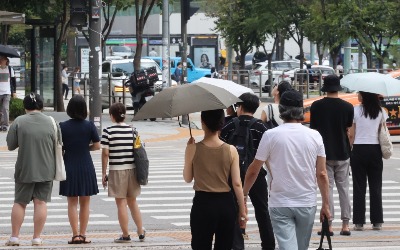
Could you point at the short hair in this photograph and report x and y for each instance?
(212, 69)
(77, 108)
(33, 101)
(213, 119)
(179, 63)
(250, 102)
(289, 113)
(118, 111)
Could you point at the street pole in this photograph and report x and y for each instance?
(95, 56)
(347, 53)
(230, 61)
(312, 53)
(185, 118)
(166, 73)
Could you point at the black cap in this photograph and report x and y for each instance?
(292, 98)
(331, 84)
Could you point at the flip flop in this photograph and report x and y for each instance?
(84, 239)
(73, 241)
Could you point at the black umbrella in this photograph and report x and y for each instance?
(8, 51)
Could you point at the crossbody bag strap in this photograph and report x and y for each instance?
(55, 129)
(270, 112)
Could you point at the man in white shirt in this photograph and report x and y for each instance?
(296, 162)
(7, 89)
(153, 52)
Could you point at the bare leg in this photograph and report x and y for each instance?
(135, 212)
(17, 218)
(73, 214)
(84, 204)
(39, 217)
(122, 216)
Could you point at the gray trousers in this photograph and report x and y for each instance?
(338, 172)
(5, 106)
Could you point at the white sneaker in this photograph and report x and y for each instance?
(37, 242)
(14, 242)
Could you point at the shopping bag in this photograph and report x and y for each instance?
(60, 175)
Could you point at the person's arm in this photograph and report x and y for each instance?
(237, 186)
(13, 82)
(251, 175)
(104, 164)
(12, 137)
(323, 185)
(313, 118)
(189, 154)
(351, 132)
(264, 116)
(94, 146)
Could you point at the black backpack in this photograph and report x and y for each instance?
(242, 139)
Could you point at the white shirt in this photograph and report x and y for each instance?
(5, 88)
(292, 150)
(366, 130)
(153, 53)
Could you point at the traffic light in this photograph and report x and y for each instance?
(78, 13)
(186, 10)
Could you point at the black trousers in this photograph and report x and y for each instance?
(65, 89)
(212, 214)
(366, 164)
(259, 198)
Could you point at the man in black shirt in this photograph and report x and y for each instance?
(332, 117)
(259, 192)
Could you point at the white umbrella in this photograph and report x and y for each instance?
(232, 87)
(371, 82)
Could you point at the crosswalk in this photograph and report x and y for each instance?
(166, 200)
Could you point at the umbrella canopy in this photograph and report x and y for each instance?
(8, 51)
(232, 87)
(372, 82)
(186, 99)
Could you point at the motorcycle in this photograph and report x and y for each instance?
(141, 87)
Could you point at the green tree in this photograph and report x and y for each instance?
(374, 24)
(236, 22)
(110, 10)
(326, 29)
(142, 11)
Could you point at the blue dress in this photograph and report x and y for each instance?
(81, 175)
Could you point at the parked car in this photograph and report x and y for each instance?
(389, 103)
(315, 71)
(279, 69)
(119, 72)
(193, 73)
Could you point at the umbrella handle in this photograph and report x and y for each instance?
(190, 129)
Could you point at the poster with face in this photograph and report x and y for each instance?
(204, 57)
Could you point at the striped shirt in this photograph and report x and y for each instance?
(118, 139)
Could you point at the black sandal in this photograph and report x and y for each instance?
(73, 241)
(84, 239)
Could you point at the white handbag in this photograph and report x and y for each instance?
(60, 175)
(384, 140)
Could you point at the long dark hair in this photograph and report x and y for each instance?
(371, 105)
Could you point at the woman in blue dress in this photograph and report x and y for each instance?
(79, 137)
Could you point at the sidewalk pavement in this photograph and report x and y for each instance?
(389, 238)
